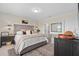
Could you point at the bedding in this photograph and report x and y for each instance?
(29, 42)
(19, 33)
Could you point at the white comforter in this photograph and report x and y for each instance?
(23, 41)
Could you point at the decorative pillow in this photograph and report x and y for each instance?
(24, 32)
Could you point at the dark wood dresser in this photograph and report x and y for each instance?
(4, 39)
(66, 47)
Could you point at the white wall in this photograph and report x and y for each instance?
(68, 19)
(8, 19)
(69, 22)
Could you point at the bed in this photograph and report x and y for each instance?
(32, 43)
(26, 43)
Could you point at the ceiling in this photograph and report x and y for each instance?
(46, 9)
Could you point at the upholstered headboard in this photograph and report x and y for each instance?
(19, 27)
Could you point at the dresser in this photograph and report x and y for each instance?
(66, 47)
(4, 39)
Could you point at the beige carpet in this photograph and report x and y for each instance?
(4, 50)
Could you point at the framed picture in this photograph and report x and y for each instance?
(56, 27)
(24, 22)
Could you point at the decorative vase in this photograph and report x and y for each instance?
(8, 43)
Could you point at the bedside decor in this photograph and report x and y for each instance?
(8, 28)
(8, 43)
(36, 29)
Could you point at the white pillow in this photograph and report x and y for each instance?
(19, 33)
(27, 32)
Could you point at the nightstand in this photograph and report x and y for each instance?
(5, 39)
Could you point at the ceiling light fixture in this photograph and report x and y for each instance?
(36, 10)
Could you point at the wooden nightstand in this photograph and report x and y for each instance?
(4, 39)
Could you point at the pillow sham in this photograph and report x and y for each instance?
(19, 33)
(23, 31)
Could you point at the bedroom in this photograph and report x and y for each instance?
(15, 17)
